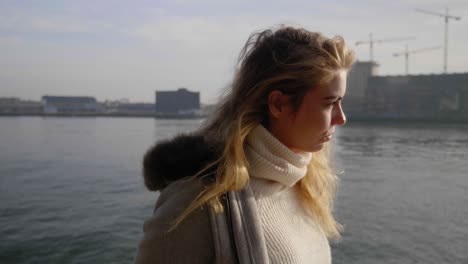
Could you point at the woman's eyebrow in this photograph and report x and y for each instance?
(333, 98)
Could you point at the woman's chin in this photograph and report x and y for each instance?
(317, 147)
(311, 148)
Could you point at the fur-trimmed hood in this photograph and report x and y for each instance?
(177, 158)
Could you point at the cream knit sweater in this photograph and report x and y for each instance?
(291, 235)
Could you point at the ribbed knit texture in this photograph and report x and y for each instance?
(292, 236)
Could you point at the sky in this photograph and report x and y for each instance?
(116, 49)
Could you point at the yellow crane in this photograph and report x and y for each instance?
(373, 41)
(408, 52)
(446, 17)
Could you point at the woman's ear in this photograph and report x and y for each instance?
(277, 103)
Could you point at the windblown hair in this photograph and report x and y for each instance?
(293, 61)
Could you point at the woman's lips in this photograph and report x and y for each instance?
(327, 137)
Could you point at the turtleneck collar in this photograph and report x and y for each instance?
(271, 160)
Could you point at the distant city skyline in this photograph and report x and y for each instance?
(130, 49)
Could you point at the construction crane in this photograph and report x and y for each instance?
(408, 52)
(446, 17)
(372, 41)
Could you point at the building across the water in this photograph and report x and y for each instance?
(433, 97)
(69, 105)
(127, 108)
(16, 106)
(181, 102)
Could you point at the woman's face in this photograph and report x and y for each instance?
(313, 124)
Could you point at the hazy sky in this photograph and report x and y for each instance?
(114, 49)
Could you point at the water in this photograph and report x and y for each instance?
(404, 194)
(71, 190)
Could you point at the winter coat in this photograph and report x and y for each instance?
(234, 236)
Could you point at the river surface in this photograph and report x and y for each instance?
(71, 190)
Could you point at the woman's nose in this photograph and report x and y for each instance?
(340, 117)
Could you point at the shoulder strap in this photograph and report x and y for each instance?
(223, 236)
(246, 227)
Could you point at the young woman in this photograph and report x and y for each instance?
(254, 184)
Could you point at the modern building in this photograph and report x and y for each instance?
(16, 106)
(181, 102)
(440, 97)
(69, 105)
(357, 84)
(433, 97)
(127, 108)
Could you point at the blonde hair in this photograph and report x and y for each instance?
(292, 60)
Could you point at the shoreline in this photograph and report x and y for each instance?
(157, 116)
(364, 120)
